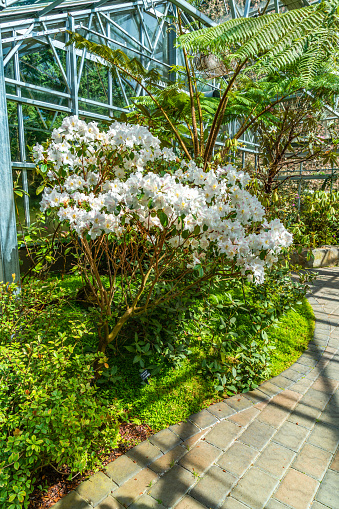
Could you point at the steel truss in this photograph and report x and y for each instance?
(45, 80)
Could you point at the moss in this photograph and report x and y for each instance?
(291, 337)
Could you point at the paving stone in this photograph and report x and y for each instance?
(335, 463)
(280, 407)
(313, 374)
(256, 396)
(312, 461)
(315, 348)
(260, 406)
(309, 360)
(322, 364)
(199, 458)
(297, 489)
(203, 419)
(301, 368)
(315, 399)
(302, 385)
(275, 504)
(321, 343)
(324, 384)
(167, 461)
(72, 501)
(221, 410)
(134, 487)
(273, 415)
(238, 403)
(96, 489)
(281, 381)
(172, 486)
(109, 503)
(269, 389)
(223, 434)
(245, 417)
(257, 434)
(292, 374)
(334, 342)
(321, 328)
(255, 488)
(122, 469)
(214, 486)
(317, 505)
(328, 493)
(189, 503)
(324, 436)
(330, 349)
(165, 440)
(275, 459)
(237, 458)
(232, 503)
(333, 372)
(185, 430)
(330, 415)
(146, 502)
(305, 416)
(190, 442)
(144, 453)
(291, 435)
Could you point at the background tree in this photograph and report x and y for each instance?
(292, 46)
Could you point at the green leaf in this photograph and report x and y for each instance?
(162, 218)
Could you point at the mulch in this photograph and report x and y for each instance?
(56, 484)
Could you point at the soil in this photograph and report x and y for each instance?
(56, 485)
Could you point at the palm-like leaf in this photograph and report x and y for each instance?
(303, 38)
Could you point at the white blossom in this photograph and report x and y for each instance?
(112, 184)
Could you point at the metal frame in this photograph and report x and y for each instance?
(139, 27)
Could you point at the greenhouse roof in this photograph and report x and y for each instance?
(15, 10)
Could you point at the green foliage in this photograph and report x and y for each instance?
(179, 389)
(299, 39)
(291, 337)
(318, 223)
(222, 329)
(50, 410)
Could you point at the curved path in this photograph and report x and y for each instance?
(275, 447)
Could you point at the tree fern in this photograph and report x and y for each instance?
(302, 37)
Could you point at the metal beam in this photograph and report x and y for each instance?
(72, 76)
(6, 3)
(16, 47)
(195, 13)
(22, 144)
(49, 8)
(9, 257)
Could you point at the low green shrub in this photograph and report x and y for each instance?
(318, 222)
(222, 329)
(50, 410)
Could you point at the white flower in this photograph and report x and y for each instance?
(213, 208)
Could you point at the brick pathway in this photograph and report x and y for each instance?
(275, 447)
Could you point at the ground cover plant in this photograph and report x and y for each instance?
(230, 331)
(50, 411)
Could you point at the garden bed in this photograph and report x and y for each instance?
(172, 396)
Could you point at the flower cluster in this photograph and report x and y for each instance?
(102, 182)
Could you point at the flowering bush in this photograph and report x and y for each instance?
(147, 226)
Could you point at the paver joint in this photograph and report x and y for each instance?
(274, 447)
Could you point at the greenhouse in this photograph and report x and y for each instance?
(169, 253)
